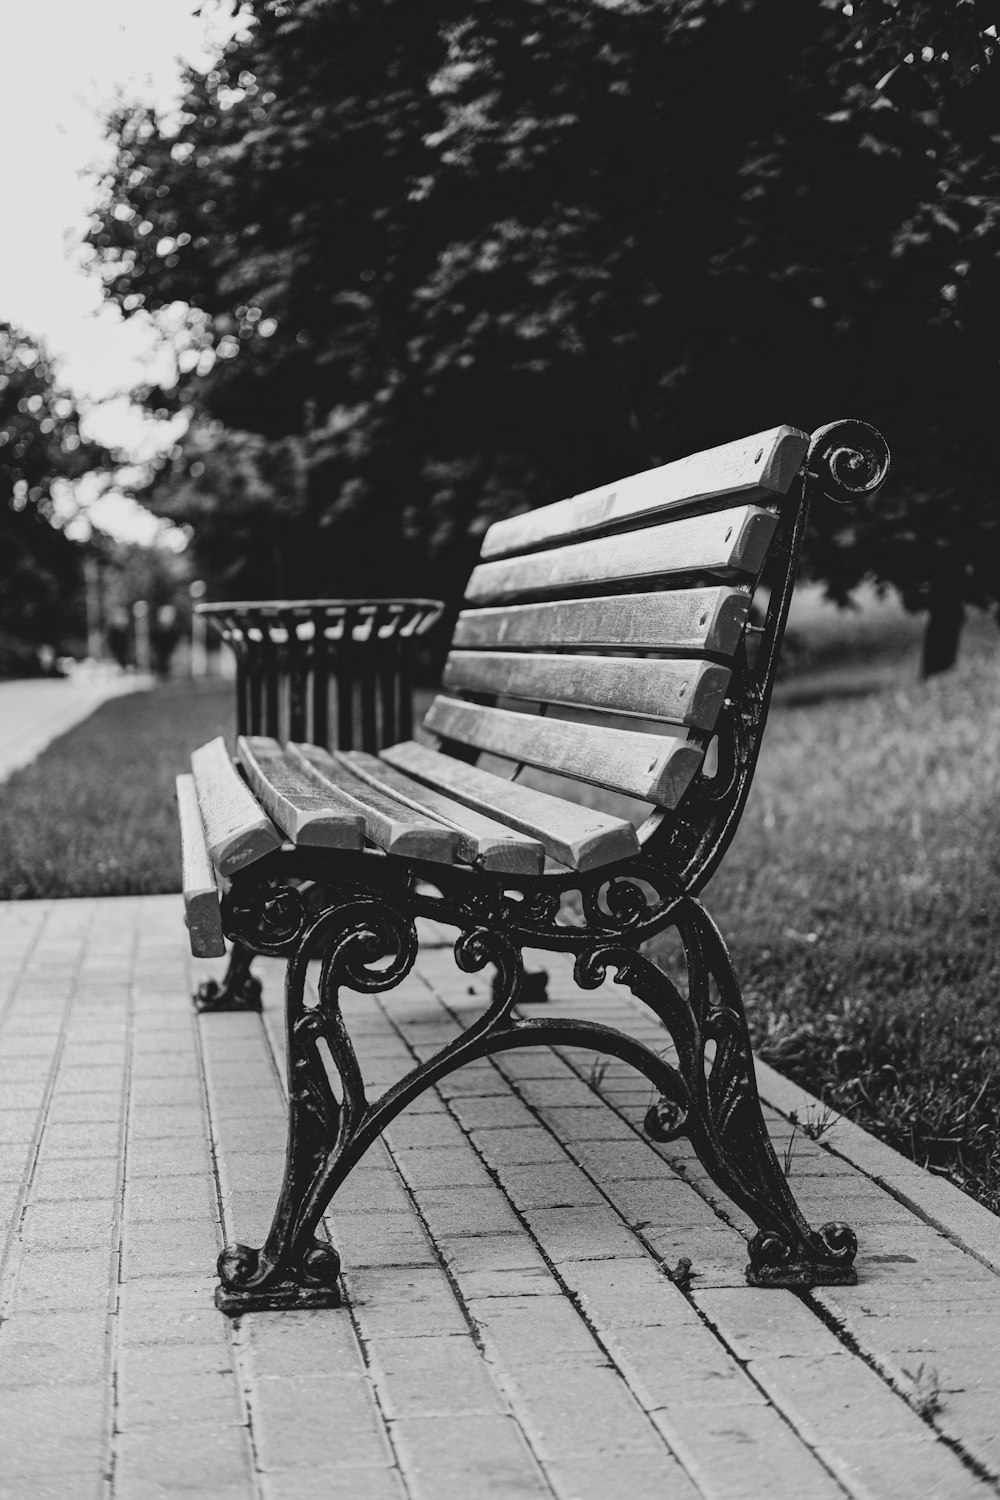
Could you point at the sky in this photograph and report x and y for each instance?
(67, 62)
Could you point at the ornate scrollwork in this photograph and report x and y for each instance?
(848, 460)
(268, 915)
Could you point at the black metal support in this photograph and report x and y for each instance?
(239, 989)
(354, 926)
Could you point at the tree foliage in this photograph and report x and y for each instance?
(40, 444)
(432, 263)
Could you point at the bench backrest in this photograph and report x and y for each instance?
(605, 638)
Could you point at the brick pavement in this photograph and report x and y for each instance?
(509, 1328)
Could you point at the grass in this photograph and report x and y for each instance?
(860, 897)
(860, 902)
(95, 815)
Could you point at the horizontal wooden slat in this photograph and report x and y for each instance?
(726, 543)
(201, 895)
(481, 841)
(389, 823)
(710, 619)
(580, 837)
(678, 692)
(756, 467)
(654, 768)
(237, 831)
(308, 814)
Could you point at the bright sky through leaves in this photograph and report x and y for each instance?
(66, 63)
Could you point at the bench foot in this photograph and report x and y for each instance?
(249, 1282)
(240, 990)
(773, 1260)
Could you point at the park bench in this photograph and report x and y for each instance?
(606, 641)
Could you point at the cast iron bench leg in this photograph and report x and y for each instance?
(331, 1124)
(239, 990)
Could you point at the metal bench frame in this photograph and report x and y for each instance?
(356, 910)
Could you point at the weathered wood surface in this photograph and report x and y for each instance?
(708, 619)
(754, 467)
(307, 813)
(580, 837)
(482, 841)
(201, 895)
(678, 692)
(655, 768)
(237, 831)
(389, 823)
(726, 543)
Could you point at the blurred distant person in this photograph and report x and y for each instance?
(163, 638)
(119, 625)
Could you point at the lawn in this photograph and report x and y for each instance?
(860, 897)
(95, 815)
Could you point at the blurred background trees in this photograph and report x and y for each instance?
(42, 602)
(425, 265)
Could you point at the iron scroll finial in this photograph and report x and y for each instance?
(847, 460)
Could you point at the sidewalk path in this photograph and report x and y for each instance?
(509, 1329)
(35, 711)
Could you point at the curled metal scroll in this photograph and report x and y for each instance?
(848, 460)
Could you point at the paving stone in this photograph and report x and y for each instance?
(179, 1385)
(432, 1376)
(398, 1300)
(172, 1123)
(533, 1144)
(17, 1126)
(159, 1157)
(586, 1409)
(454, 1458)
(165, 1199)
(75, 1178)
(89, 1138)
(424, 1132)
(379, 1239)
(332, 1484)
(732, 1452)
(87, 1224)
(547, 1185)
(620, 1293)
(459, 1167)
(56, 1279)
(590, 1233)
(54, 1348)
(49, 1430)
(919, 1470)
(179, 1247)
(206, 1460)
(518, 1331)
(613, 1161)
(491, 1112)
(584, 1475)
(467, 1211)
(250, 1171)
(757, 1323)
(302, 1342)
(306, 1422)
(69, 1109)
(678, 1366)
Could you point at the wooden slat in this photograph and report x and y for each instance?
(678, 692)
(481, 841)
(389, 823)
(201, 895)
(580, 837)
(726, 543)
(710, 619)
(307, 813)
(754, 467)
(654, 768)
(237, 831)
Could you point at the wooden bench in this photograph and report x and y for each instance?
(604, 643)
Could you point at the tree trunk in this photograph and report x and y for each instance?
(944, 628)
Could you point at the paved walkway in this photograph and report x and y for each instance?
(509, 1329)
(35, 711)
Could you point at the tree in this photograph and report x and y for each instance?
(461, 255)
(41, 602)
